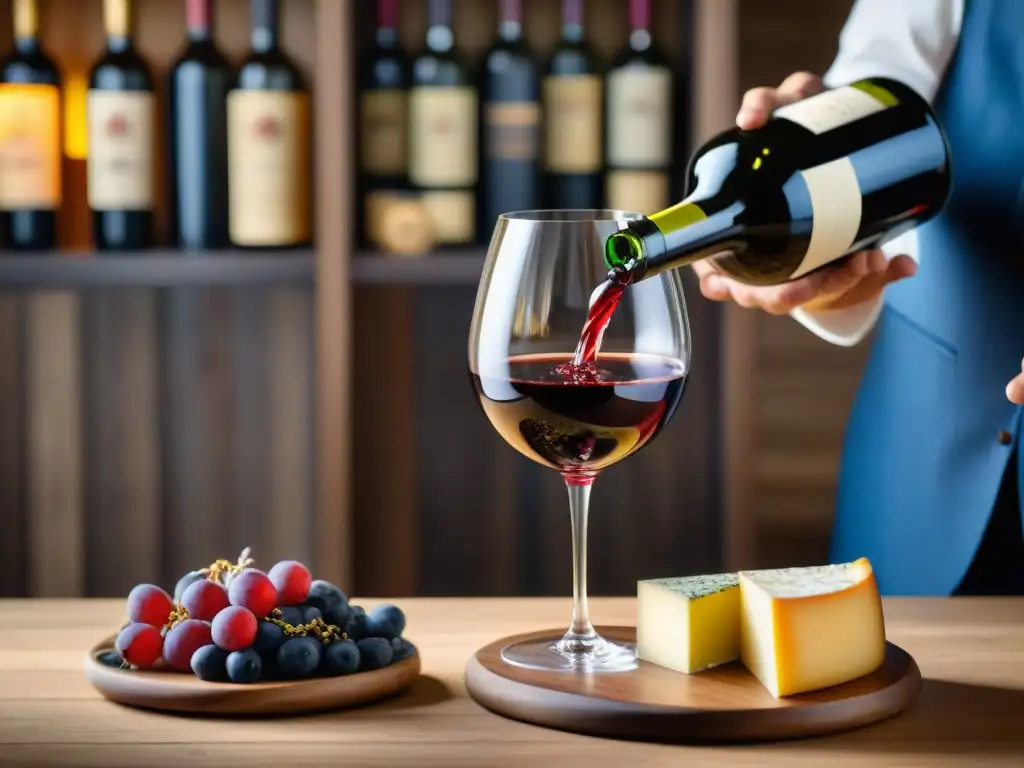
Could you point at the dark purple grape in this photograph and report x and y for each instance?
(403, 648)
(269, 637)
(385, 621)
(341, 658)
(310, 612)
(331, 601)
(244, 666)
(299, 657)
(291, 615)
(355, 627)
(209, 663)
(374, 653)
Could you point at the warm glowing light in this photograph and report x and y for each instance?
(76, 138)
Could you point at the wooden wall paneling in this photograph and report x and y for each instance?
(13, 511)
(333, 95)
(292, 447)
(54, 445)
(120, 412)
(386, 524)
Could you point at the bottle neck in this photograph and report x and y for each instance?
(572, 21)
(440, 37)
(675, 237)
(510, 26)
(117, 23)
(199, 20)
(640, 25)
(264, 25)
(387, 23)
(26, 26)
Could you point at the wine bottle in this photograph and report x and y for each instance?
(847, 169)
(572, 93)
(510, 88)
(638, 117)
(383, 109)
(443, 119)
(197, 90)
(121, 120)
(268, 143)
(31, 153)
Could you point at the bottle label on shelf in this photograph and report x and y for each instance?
(643, 192)
(384, 143)
(30, 147)
(119, 169)
(572, 108)
(443, 136)
(512, 130)
(268, 167)
(836, 210)
(453, 214)
(640, 117)
(831, 109)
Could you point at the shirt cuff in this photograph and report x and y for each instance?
(845, 327)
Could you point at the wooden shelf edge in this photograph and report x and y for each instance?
(156, 269)
(462, 267)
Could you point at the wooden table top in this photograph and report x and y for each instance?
(970, 713)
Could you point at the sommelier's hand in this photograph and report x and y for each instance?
(860, 277)
(1015, 389)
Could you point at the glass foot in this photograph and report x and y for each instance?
(548, 655)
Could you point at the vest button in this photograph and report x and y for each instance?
(1004, 437)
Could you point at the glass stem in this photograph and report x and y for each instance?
(581, 636)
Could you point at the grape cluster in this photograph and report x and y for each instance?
(231, 622)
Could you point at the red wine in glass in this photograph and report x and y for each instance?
(583, 424)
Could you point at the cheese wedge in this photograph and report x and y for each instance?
(803, 629)
(689, 624)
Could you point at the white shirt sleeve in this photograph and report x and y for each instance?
(911, 41)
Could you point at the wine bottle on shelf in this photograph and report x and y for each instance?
(638, 119)
(443, 120)
(31, 151)
(572, 118)
(847, 169)
(268, 143)
(510, 91)
(383, 111)
(197, 133)
(121, 122)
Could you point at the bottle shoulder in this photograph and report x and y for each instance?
(30, 67)
(269, 70)
(572, 58)
(120, 70)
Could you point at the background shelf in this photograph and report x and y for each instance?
(461, 267)
(157, 269)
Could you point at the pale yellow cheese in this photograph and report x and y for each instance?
(690, 623)
(803, 629)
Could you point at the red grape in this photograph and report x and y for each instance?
(254, 590)
(149, 605)
(291, 579)
(204, 599)
(184, 639)
(234, 628)
(139, 644)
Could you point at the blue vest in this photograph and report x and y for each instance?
(924, 452)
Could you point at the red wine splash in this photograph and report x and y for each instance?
(583, 367)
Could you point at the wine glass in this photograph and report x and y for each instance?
(541, 272)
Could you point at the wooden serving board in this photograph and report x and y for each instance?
(721, 705)
(170, 691)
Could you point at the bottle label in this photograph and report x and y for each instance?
(512, 130)
(453, 214)
(572, 109)
(268, 167)
(383, 150)
(834, 108)
(119, 169)
(640, 117)
(836, 211)
(30, 147)
(442, 136)
(643, 192)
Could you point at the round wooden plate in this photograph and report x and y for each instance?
(721, 705)
(169, 691)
